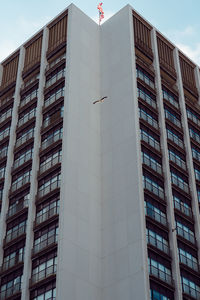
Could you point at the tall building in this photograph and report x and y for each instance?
(99, 202)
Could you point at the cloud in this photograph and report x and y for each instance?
(191, 52)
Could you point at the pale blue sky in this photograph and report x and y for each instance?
(178, 20)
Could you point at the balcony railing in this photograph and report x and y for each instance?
(180, 183)
(3, 152)
(158, 244)
(27, 117)
(15, 233)
(51, 270)
(21, 160)
(52, 139)
(148, 119)
(177, 160)
(150, 140)
(49, 164)
(17, 207)
(47, 189)
(170, 98)
(28, 98)
(6, 115)
(145, 78)
(21, 140)
(27, 83)
(12, 262)
(56, 61)
(158, 191)
(55, 78)
(152, 164)
(175, 139)
(191, 292)
(186, 210)
(185, 234)
(6, 100)
(45, 243)
(188, 262)
(10, 291)
(160, 274)
(4, 133)
(146, 98)
(17, 184)
(193, 117)
(54, 97)
(46, 215)
(160, 218)
(173, 119)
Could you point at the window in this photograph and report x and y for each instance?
(2, 172)
(27, 116)
(159, 270)
(192, 116)
(197, 174)
(151, 162)
(3, 151)
(13, 257)
(155, 213)
(148, 118)
(190, 288)
(195, 135)
(157, 241)
(182, 206)
(146, 96)
(4, 133)
(15, 230)
(47, 292)
(31, 80)
(149, 139)
(44, 267)
(177, 159)
(55, 61)
(45, 237)
(153, 187)
(144, 76)
(6, 114)
(49, 184)
(18, 203)
(196, 154)
(154, 295)
(28, 97)
(47, 210)
(52, 137)
(185, 232)
(171, 117)
(167, 95)
(11, 287)
(188, 259)
(55, 76)
(24, 136)
(21, 180)
(23, 157)
(55, 95)
(173, 137)
(178, 181)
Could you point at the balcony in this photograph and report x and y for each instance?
(147, 98)
(22, 159)
(27, 117)
(159, 217)
(28, 98)
(54, 97)
(174, 138)
(16, 259)
(21, 140)
(55, 78)
(46, 214)
(4, 133)
(172, 118)
(194, 293)
(148, 119)
(6, 115)
(27, 83)
(10, 291)
(154, 165)
(188, 235)
(3, 152)
(51, 270)
(45, 243)
(141, 75)
(186, 210)
(170, 99)
(158, 191)
(19, 183)
(193, 117)
(150, 140)
(177, 160)
(6, 100)
(191, 263)
(11, 235)
(180, 183)
(51, 139)
(158, 244)
(16, 207)
(160, 274)
(44, 190)
(50, 163)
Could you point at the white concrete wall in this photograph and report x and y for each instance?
(124, 268)
(79, 244)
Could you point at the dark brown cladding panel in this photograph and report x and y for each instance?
(187, 71)
(33, 52)
(142, 35)
(165, 52)
(10, 70)
(57, 32)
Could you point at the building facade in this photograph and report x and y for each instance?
(99, 202)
